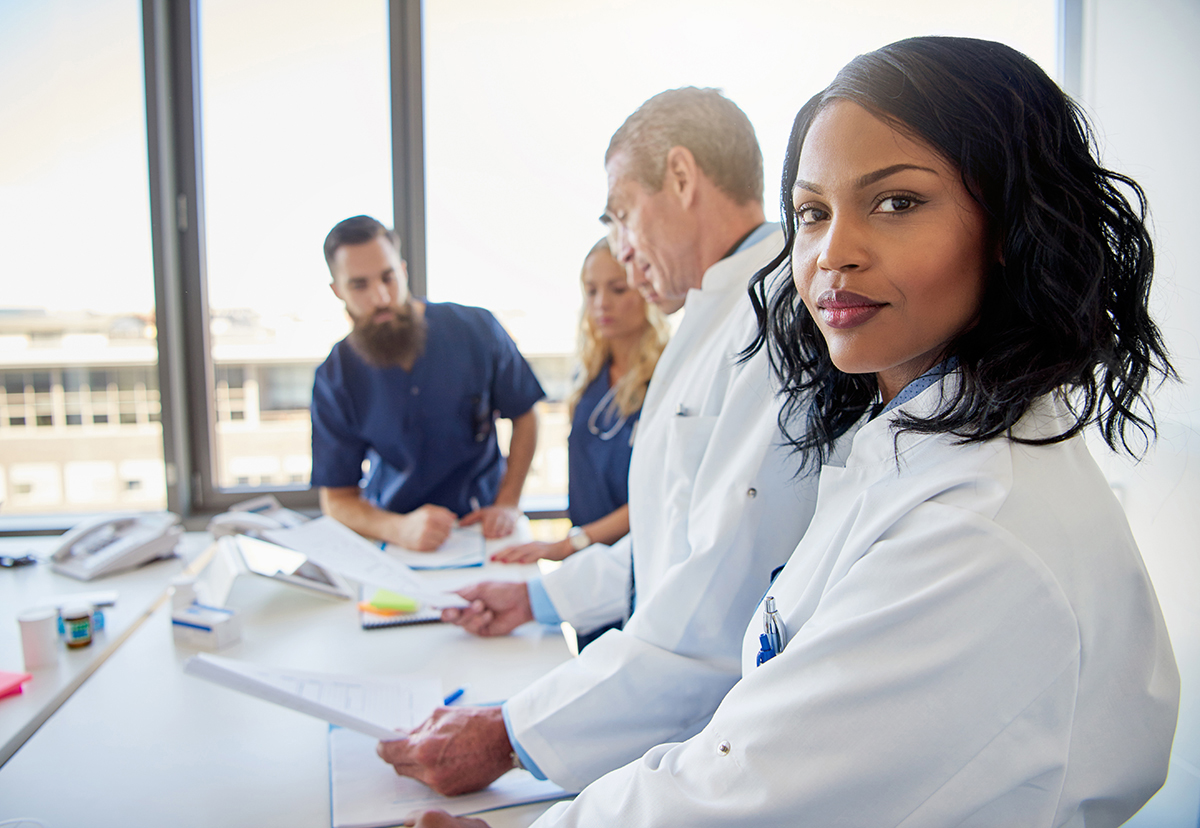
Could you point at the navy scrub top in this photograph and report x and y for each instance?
(598, 469)
(428, 434)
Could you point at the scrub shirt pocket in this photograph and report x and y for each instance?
(476, 417)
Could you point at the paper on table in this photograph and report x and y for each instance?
(367, 793)
(329, 544)
(463, 548)
(377, 707)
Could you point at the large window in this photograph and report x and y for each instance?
(80, 410)
(295, 136)
(160, 351)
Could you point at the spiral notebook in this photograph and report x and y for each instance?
(374, 621)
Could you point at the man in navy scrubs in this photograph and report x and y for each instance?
(414, 390)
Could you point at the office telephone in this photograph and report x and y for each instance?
(252, 516)
(239, 523)
(113, 543)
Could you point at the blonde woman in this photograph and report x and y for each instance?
(620, 339)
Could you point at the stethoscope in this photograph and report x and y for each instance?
(598, 412)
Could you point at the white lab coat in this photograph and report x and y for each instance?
(714, 508)
(974, 641)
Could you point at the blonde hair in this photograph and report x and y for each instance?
(630, 390)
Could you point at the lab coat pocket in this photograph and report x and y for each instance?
(687, 443)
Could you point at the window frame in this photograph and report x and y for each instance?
(173, 121)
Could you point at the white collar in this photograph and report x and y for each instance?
(734, 271)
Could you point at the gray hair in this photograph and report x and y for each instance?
(712, 127)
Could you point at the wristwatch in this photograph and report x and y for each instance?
(578, 538)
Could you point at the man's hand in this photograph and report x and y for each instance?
(455, 751)
(532, 552)
(497, 608)
(498, 521)
(424, 529)
(441, 819)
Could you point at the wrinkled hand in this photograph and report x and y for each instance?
(532, 552)
(497, 608)
(425, 528)
(498, 521)
(455, 751)
(441, 819)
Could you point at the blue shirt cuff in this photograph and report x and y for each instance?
(539, 601)
(526, 762)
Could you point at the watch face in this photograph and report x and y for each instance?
(578, 538)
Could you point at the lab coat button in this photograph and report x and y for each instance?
(752, 493)
(723, 747)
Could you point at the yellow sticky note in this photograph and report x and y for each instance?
(387, 600)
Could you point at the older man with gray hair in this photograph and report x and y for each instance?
(714, 504)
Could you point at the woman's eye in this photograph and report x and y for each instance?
(808, 214)
(897, 204)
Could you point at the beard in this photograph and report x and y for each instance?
(396, 342)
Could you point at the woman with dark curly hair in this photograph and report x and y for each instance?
(966, 634)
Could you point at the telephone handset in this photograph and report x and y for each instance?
(239, 523)
(113, 543)
(252, 516)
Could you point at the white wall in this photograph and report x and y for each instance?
(1140, 81)
(1141, 74)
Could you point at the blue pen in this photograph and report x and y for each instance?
(453, 697)
(765, 651)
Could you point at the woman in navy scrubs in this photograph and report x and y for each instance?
(621, 337)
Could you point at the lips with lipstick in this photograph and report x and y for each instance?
(845, 309)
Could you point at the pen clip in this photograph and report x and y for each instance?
(773, 627)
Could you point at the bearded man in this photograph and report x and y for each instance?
(414, 390)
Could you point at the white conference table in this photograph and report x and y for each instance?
(31, 586)
(140, 743)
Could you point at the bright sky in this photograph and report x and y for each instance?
(521, 99)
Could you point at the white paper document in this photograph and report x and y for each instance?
(331, 545)
(368, 793)
(465, 547)
(377, 707)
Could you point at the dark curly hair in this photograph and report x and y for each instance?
(1064, 312)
